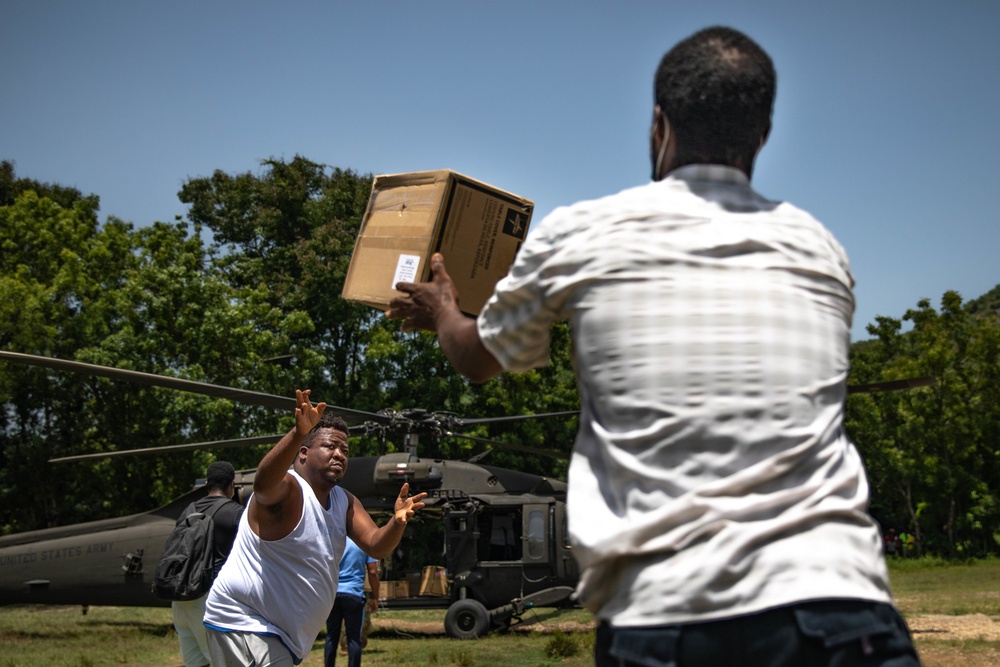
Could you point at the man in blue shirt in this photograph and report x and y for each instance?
(349, 605)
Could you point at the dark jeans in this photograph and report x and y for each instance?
(828, 633)
(351, 610)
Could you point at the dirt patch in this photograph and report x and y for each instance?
(431, 628)
(939, 627)
(969, 626)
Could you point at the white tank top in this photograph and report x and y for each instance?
(283, 587)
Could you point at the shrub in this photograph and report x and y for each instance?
(562, 645)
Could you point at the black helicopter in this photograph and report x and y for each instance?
(504, 547)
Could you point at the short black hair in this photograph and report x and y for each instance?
(327, 420)
(717, 91)
(220, 475)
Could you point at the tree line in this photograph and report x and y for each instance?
(933, 454)
(244, 291)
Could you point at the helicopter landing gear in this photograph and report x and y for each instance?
(467, 619)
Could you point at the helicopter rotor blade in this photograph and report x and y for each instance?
(165, 381)
(891, 385)
(214, 444)
(488, 420)
(551, 453)
(480, 456)
(271, 439)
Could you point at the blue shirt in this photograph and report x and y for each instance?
(353, 570)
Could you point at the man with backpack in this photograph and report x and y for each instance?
(225, 513)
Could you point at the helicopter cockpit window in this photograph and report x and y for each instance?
(536, 534)
(499, 537)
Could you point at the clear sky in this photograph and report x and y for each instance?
(885, 127)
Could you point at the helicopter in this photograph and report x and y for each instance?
(503, 533)
(504, 546)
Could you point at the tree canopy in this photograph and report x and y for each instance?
(932, 453)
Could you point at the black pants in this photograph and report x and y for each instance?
(829, 633)
(351, 610)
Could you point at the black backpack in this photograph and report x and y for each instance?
(186, 568)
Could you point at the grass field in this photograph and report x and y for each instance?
(954, 611)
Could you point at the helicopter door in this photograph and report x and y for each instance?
(536, 531)
(504, 538)
(566, 567)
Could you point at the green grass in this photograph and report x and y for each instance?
(537, 642)
(929, 586)
(528, 650)
(932, 586)
(64, 637)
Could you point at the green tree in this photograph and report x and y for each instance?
(144, 300)
(931, 453)
(291, 229)
(246, 293)
(11, 187)
(288, 233)
(54, 261)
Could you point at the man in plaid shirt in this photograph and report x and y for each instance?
(717, 508)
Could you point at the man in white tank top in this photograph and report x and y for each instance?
(269, 602)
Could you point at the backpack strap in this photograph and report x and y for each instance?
(188, 511)
(192, 509)
(211, 515)
(217, 507)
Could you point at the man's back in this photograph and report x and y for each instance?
(226, 520)
(353, 570)
(711, 332)
(716, 506)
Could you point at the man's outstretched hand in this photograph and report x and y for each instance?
(433, 306)
(407, 505)
(306, 414)
(425, 303)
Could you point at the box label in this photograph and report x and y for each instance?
(516, 224)
(406, 270)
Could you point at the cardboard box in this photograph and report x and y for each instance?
(391, 590)
(477, 227)
(434, 581)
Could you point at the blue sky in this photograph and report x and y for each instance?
(885, 126)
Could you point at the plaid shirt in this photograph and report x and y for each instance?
(711, 476)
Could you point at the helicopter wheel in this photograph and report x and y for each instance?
(466, 619)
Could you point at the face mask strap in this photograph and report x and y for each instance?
(663, 149)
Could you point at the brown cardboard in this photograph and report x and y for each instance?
(477, 227)
(434, 581)
(413, 581)
(393, 590)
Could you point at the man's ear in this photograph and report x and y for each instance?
(764, 136)
(659, 127)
